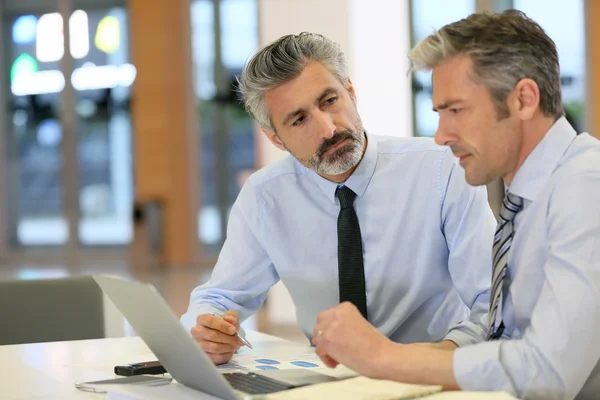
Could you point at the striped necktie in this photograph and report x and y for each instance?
(502, 240)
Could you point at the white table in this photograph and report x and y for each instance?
(50, 370)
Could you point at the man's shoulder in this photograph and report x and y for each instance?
(577, 172)
(583, 157)
(403, 145)
(575, 181)
(265, 180)
(283, 167)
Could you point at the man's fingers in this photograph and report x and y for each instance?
(233, 318)
(233, 321)
(316, 338)
(325, 357)
(220, 358)
(214, 322)
(201, 333)
(217, 348)
(328, 361)
(324, 319)
(233, 314)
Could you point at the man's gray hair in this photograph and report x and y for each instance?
(281, 61)
(504, 49)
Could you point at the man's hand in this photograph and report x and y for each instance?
(343, 336)
(216, 336)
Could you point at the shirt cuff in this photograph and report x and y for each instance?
(478, 367)
(188, 320)
(466, 334)
(460, 338)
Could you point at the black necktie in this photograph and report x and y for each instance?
(350, 253)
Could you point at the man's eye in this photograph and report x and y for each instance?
(331, 100)
(455, 110)
(299, 121)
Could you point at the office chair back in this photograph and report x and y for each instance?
(50, 310)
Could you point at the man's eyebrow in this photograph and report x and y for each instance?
(327, 92)
(446, 104)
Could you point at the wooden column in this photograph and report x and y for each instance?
(592, 37)
(165, 135)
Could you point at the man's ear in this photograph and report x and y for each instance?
(273, 138)
(526, 99)
(351, 90)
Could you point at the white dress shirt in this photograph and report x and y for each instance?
(426, 240)
(552, 309)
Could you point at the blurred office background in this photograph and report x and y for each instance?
(124, 145)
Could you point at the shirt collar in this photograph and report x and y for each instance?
(541, 163)
(360, 178)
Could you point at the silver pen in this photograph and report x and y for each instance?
(237, 333)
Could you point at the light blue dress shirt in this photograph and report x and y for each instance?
(552, 309)
(426, 239)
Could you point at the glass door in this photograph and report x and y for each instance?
(224, 36)
(102, 78)
(67, 147)
(34, 196)
(426, 16)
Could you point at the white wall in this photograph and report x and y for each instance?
(281, 17)
(379, 40)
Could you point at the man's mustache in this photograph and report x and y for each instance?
(457, 150)
(338, 137)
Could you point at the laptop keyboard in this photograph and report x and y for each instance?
(252, 383)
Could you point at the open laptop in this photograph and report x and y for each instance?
(153, 320)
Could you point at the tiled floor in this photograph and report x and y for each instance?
(175, 285)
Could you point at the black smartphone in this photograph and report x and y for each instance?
(142, 368)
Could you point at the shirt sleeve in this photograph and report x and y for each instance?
(468, 225)
(561, 347)
(244, 272)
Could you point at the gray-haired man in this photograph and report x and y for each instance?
(496, 86)
(386, 224)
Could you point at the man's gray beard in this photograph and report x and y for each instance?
(339, 164)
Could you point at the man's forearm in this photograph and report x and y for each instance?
(446, 345)
(443, 345)
(415, 363)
